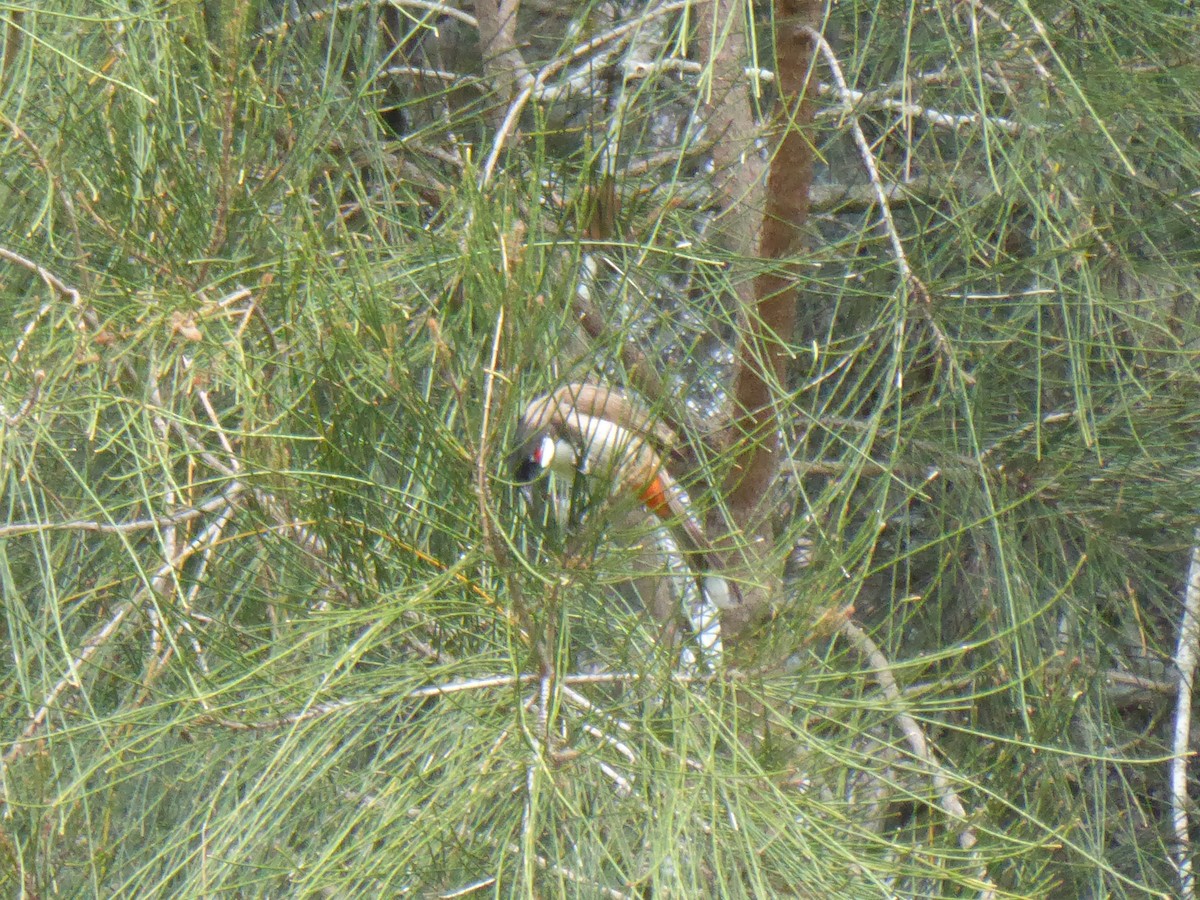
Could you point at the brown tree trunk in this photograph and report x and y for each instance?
(767, 225)
(502, 61)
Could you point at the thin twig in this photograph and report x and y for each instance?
(483, 496)
(574, 877)
(52, 280)
(13, 419)
(536, 86)
(317, 15)
(452, 79)
(232, 490)
(445, 689)
(24, 338)
(319, 710)
(234, 465)
(913, 734)
(156, 585)
(71, 679)
(1015, 40)
(573, 697)
(935, 117)
(514, 111)
(1187, 653)
(873, 99)
(1144, 685)
(188, 597)
(169, 536)
(545, 697)
(909, 279)
(43, 163)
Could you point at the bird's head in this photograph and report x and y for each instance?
(538, 452)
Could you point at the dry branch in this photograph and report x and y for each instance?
(52, 281)
(909, 280)
(178, 517)
(535, 86)
(913, 734)
(1187, 654)
(157, 584)
(503, 65)
(317, 15)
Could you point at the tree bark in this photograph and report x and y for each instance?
(767, 225)
(503, 63)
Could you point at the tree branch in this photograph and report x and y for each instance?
(909, 280)
(1186, 654)
(503, 64)
(769, 304)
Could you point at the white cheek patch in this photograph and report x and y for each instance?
(544, 455)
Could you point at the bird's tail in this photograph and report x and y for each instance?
(667, 500)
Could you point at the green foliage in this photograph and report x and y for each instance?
(307, 315)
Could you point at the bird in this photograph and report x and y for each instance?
(595, 430)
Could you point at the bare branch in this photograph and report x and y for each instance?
(43, 163)
(15, 418)
(913, 734)
(225, 498)
(536, 86)
(53, 281)
(873, 99)
(1187, 653)
(317, 15)
(909, 280)
(156, 585)
(445, 689)
(483, 453)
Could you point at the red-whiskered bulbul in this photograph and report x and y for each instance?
(591, 429)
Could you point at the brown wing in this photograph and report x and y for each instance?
(606, 402)
(540, 413)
